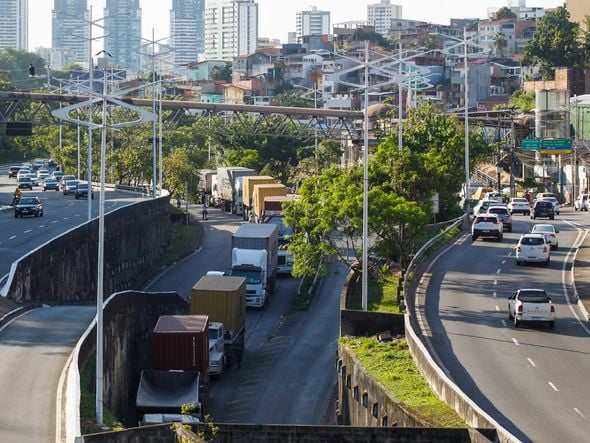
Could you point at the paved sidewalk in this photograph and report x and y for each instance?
(582, 277)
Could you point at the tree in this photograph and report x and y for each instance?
(522, 101)
(180, 173)
(505, 12)
(500, 43)
(554, 43)
(222, 72)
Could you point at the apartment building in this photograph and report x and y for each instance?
(70, 31)
(380, 15)
(123, 33)
(14, 24)
(187, 30)
(312, 22)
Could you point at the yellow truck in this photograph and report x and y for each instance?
(248, 184)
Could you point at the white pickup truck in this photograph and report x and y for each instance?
(531, 305)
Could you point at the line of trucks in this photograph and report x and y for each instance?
(259, 200)
(188, 349)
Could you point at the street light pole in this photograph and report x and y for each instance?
(90, 93)
(160, 135)
(400, 97)
(365, 267)
(466, 114)
(154, 158)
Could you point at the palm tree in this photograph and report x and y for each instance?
(500, 43)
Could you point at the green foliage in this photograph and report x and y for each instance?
(505, 12)
(294, 99)
(500, 43)
(522, 100)
(373, 37)
(222, 73)
(181, 172)
(313, 161)
(392, 365)
(14, 64)
(382, 294)
(554, 43)
(248, 158)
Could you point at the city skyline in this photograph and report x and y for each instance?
(277, 18)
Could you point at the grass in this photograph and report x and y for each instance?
(179, 237)
(301, 300)
(392, 365)
(88, 403)
(381, 296)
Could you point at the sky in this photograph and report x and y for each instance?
(277, 17)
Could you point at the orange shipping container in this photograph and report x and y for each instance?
(248, 184)
(263, 191)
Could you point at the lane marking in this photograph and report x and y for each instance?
(495, 282)
(497, 308)
(28, 230)
(504, 322)
(532, 362)
(553, 387)
(495, 294)
(66, 218)
(577, 411)
(515, 341)
(498, 271)
(42, 226)
(11, 238)
(54, 221)
(503, 261)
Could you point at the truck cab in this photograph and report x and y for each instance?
(255, 282)
(216, 348)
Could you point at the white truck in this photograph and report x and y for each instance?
(531, 305)
(254, 256)
(230, 197)
(216, 348)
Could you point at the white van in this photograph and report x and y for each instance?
(493, 196)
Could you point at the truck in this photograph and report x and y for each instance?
(248, 184)
(273, 213)
(260, 193)
(531, 305)
(229, 198)
(205, 186)
(254, 256)
(223, 300)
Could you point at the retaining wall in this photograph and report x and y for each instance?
(64, 269)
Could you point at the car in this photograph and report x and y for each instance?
(25, 183)
(22, 172)
(543, 208)
(50, 184)
(531, 305)
(38, 164)
(42, 174)
(34, 178)
(57, 175)
(549, 232)
(12, 171)
(542, 195)
(29, 205)
(581, 202)
(69, 186)
(555, 203)
(532, 248)
(487, 225)
(82, 191)
(64, 179)
(493, 196)
(482, 206)
(519, 205)
(503, 214)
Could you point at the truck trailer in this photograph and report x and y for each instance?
(254, 256)
(229, 192)
(248, 184)
(260, 193)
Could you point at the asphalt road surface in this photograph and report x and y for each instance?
(532, 380)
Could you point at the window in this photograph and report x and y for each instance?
(375, 410)
(355, 393)
(384, 421)
(366, 400)
(348, 381)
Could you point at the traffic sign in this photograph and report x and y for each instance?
(547, 144)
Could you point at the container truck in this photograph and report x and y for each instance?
(248, 184)
(223, 300)
(259, 194)
(254, 256)
(226, 186)
(273, 213)
(205, 186)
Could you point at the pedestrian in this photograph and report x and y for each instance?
(239, 351)
(205, 214)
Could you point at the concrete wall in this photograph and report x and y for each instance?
(129, 318)
(246, 433)
(64, 269)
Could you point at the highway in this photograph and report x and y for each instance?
(288, 372)
(532, 380)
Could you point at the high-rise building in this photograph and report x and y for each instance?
(231, 28)
(14, 24)
(579, 10)
(123, 33)
(312, 22)
(380, 15)
(187, 30)
(70, 31)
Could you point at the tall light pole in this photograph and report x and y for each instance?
(400, 97)
(365, 267)
(466, 114)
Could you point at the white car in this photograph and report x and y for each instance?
(493, 196)
(42, 174)
(531, 305)
(581, 202)
(532, 248)
(487, 225)
(519, 205)
(34, 178)
(554, 202)
(483, 206)
(549, 232)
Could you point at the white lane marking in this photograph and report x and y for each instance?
(515, 341)
(54, 221)
(574, 247)
(66, 218)
(42, 226)
(497, 308)
(11, 238)
(495, 294)
(553, 387)
(577, 411)
(532, 362)
(28, 230)
(498, 271)
(504, 322)
(77, 215)
(503, 261)
(495, 282)
(509, 254)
